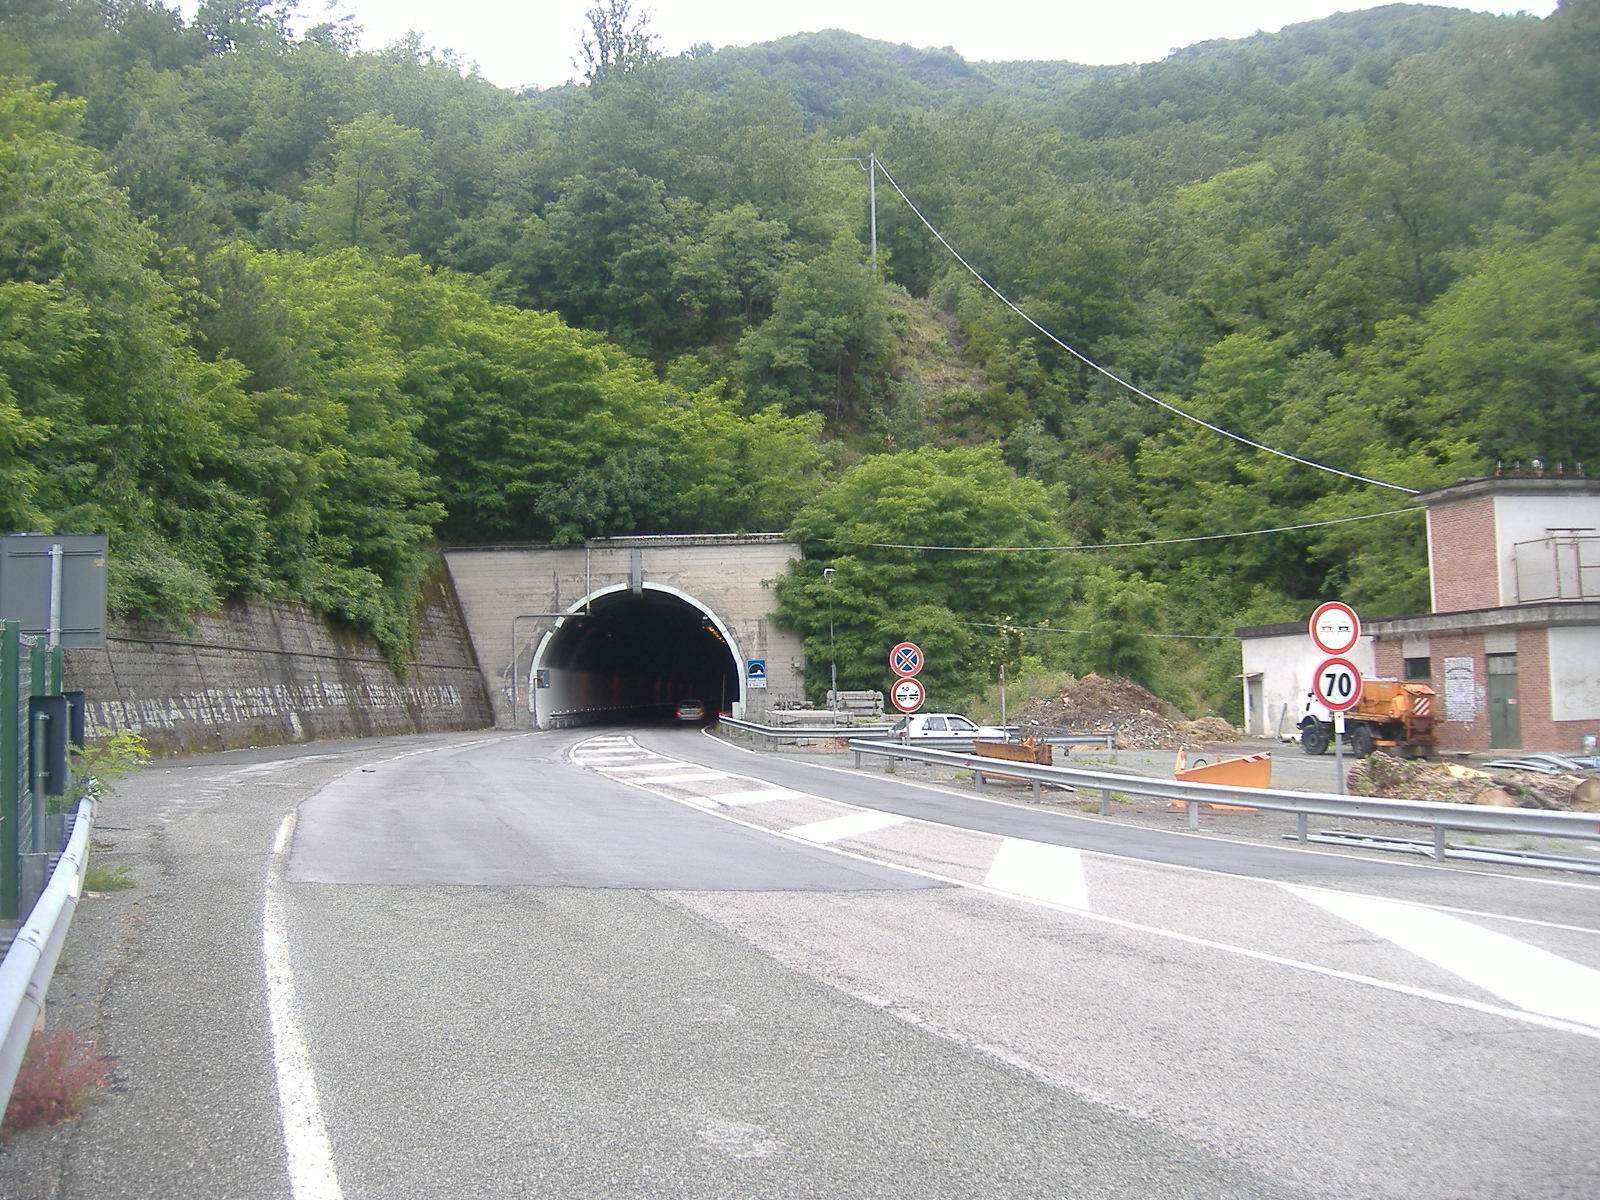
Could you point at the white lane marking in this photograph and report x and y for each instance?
(1040, 871)
(651, 764)
(1523, 1016)
(305, 1137)
(1525, 975)
(855, 825)
(760, 796)
(679, 777)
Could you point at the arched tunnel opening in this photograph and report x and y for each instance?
(628, 655)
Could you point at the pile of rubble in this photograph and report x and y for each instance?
(1140, 719)
(1454, 783)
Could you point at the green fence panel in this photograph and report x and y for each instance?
(13, 762)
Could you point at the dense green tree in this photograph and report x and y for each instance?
(826, 342)
(918, 545)
(369, 192)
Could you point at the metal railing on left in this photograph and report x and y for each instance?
(41, 864)
(31, 961)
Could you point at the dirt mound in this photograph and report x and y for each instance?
(1140, 719)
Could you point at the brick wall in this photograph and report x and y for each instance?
(1462, 555)
(1538, 729)
(262, 673)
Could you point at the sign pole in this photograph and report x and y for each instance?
(1338, 751)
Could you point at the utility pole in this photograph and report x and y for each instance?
(872, 203)
(871, 168)
(833, 666)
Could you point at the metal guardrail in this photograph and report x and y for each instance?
(1437, 815)
(31, 961)
(798, 733)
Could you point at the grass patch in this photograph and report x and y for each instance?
(109, 879)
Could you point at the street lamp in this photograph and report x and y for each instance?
(833, 667)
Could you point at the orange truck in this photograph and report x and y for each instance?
(1390, 714)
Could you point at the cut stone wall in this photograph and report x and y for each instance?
(267, 673)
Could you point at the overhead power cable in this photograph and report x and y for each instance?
(1202, 537)
(1117, 379)
(1175, 637)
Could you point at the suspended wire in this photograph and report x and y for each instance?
(1203, 537)
(1117, 379)
(1177, 637)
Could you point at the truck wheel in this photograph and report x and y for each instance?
(1314, 738)
(1362, 743)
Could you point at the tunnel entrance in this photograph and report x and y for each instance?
(631, 654)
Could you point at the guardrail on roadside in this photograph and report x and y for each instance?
(794, 733)
(777, 734)
(1434, 814)
(30, 962)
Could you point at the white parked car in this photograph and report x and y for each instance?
(943, 725)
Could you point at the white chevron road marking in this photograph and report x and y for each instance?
(855, 825)
(1040, 872)
(1524, 975)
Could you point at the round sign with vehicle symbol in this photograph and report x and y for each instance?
(907, 694)
(1335, 628)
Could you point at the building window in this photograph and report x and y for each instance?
(1418, 670)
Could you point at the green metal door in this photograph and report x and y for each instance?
(1505, 720)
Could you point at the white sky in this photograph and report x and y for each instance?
(520, 43)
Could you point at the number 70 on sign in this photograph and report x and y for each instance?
(1337, 684)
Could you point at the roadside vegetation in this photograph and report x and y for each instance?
(282, 317)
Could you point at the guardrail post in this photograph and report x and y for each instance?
(1105, 802)
(1194, 814)
(1438, 842)
(1300, 827)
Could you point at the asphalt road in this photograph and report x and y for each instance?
(649, 964)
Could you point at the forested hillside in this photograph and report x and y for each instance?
(283, 316)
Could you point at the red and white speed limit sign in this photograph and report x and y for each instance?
(907, 694)
(1337, 684)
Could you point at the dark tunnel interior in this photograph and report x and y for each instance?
(633, 656)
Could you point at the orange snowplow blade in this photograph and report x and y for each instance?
(1251, 770)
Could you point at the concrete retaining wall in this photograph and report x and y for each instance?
(262, 673)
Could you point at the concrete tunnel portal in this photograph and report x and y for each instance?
(630, 653)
